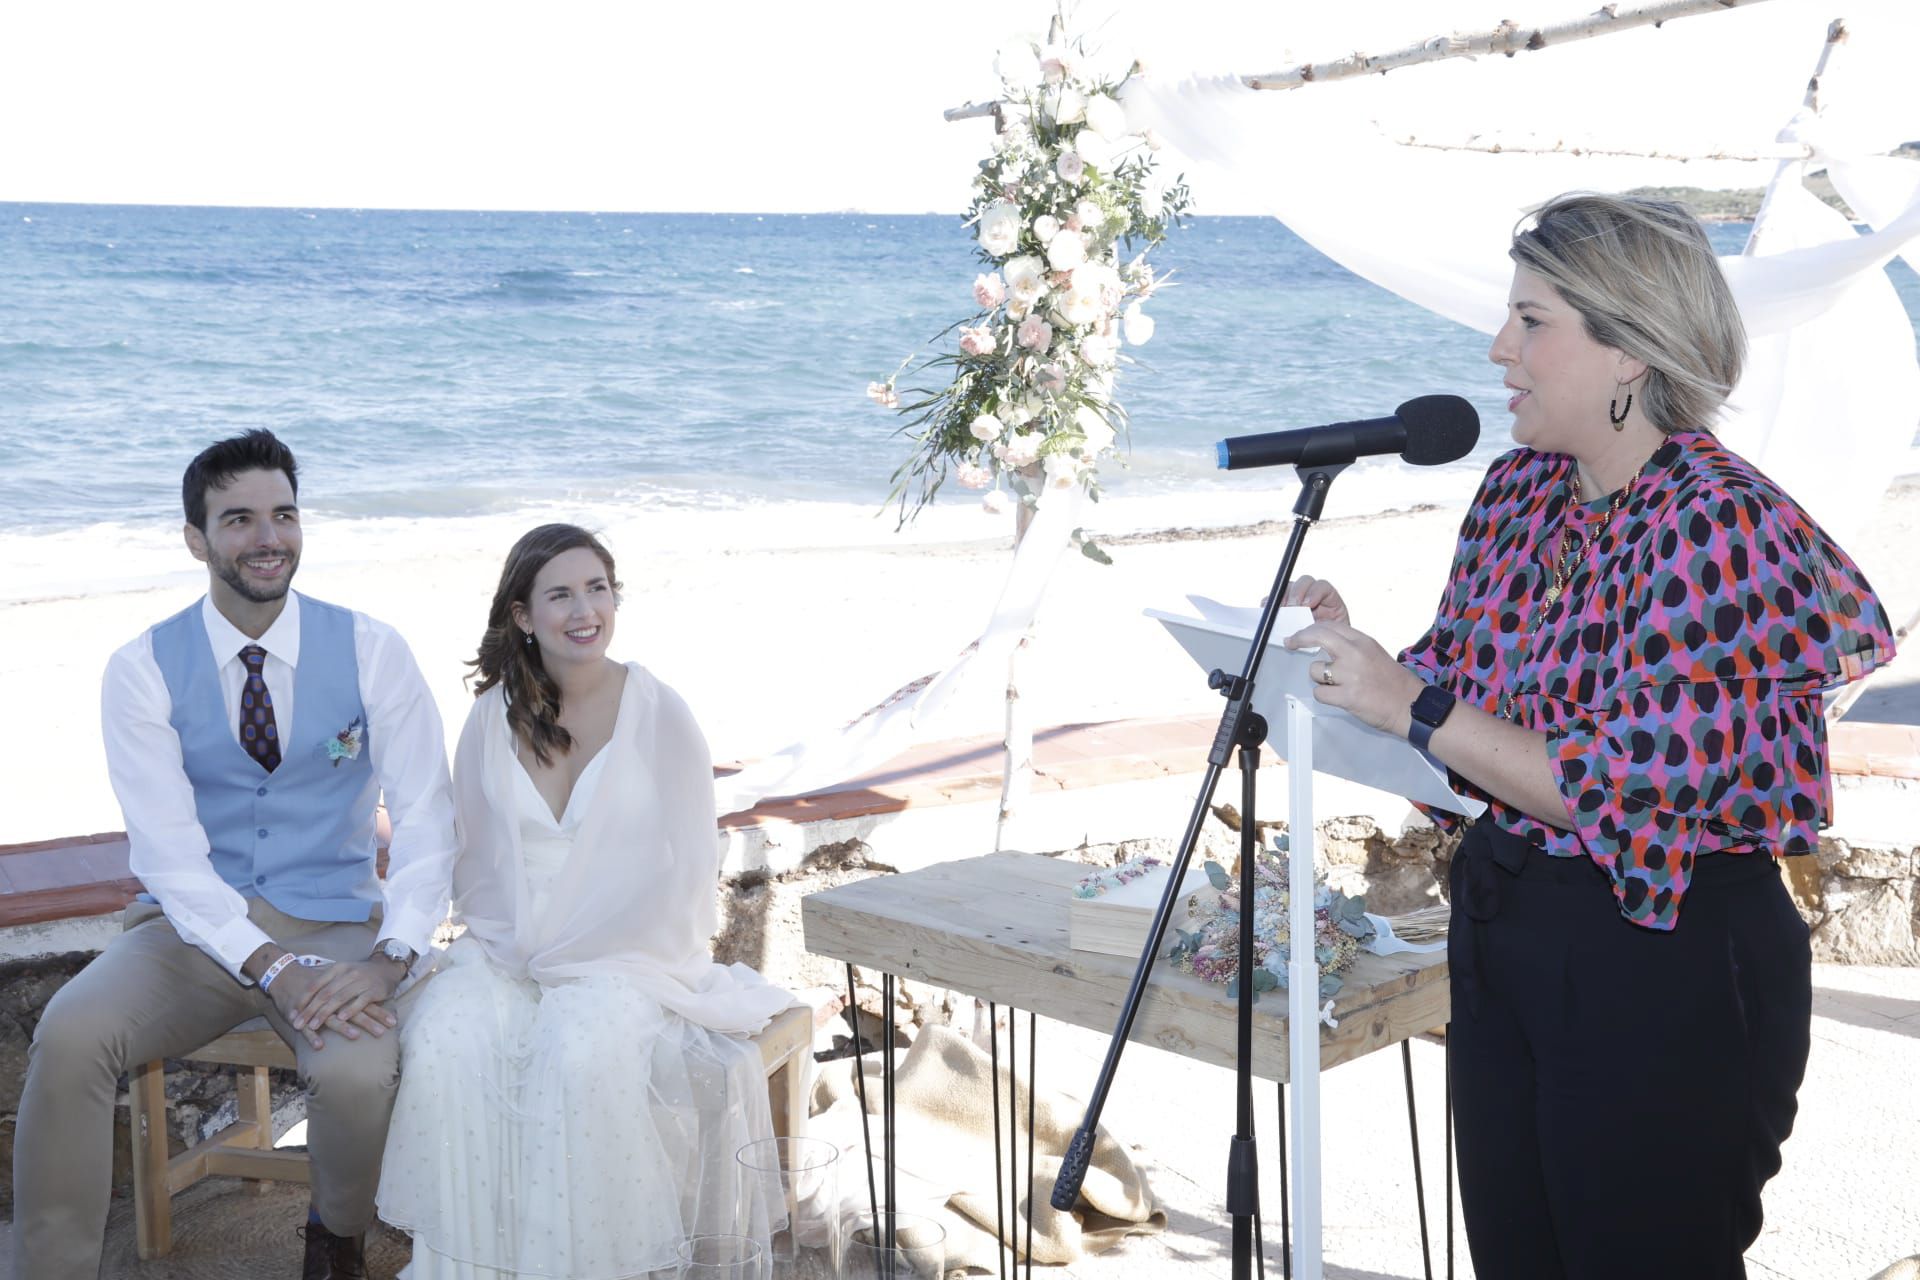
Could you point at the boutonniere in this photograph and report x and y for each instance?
(345, 745)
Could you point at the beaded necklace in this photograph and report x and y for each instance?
(1568, 557)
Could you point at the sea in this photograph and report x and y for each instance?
(450, 365)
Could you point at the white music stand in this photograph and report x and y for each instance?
(1309, 736)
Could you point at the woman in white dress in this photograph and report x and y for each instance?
(576, 1080)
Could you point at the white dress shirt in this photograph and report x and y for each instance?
(168, 848)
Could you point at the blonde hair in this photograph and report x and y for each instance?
(1645, 281)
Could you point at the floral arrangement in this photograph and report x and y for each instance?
(1107, 879)
(1064, 210)
(345, 745)
(1212, 951)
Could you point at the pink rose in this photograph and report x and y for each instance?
(1035, 334)
(977, 342)
(883, 394)
(995, 503)
(1051, 379)
(971, 476)
(989, 290)
(1070, 166)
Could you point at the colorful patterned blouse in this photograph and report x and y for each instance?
(1678, 678)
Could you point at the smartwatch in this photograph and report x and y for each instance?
(1430, 711)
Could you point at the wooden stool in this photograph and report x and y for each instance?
(244, 1149)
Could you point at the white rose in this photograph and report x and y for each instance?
(1026, 278)
(1150, 201)
(1066, 251)
(1107, 117)
(986, 428)
(1091, 294)
(1057, 63)
(1153, 140)
(1045, 227)
(1090, 214)
(1067, 106)
(1000, 228)
(1063, 470)
(1093, 425)
(995, 503)
(1137, 325)
(1070, 167)
(1093, 149)
(1016, 414)
(1020, 450)
(1099, 349)
(1017, 66)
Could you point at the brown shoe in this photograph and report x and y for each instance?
(332, 1257)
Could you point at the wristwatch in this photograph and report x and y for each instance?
(394, 949)
(1430, 711)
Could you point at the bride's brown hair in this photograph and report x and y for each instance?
(507, 659)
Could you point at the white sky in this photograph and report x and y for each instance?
(775, 105)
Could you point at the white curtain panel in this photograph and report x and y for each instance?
(1831, 398)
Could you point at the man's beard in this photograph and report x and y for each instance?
(229, 573)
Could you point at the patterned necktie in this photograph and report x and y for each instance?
(257, 731)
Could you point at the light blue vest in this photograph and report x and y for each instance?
(302, 837)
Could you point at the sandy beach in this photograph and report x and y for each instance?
(775, 622)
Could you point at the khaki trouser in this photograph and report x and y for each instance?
(151, 995)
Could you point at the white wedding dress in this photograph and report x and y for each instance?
(574, 1129)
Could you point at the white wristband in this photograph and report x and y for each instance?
(273, 970)
(305, 962)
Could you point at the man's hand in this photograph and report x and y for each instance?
(348, 996)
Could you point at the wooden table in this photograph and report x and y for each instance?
(995, 928)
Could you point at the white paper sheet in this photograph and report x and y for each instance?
(1342, 745)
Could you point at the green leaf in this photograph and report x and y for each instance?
(1329, 985)
(1264, 981)
(1217, 876)
(1091, 551)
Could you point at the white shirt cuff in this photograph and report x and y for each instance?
(233, 943)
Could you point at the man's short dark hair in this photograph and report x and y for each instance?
(218, 464)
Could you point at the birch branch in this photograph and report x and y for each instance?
(1810, 106)
(1496, 147)
(1507, 38)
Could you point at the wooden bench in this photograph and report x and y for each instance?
(244, 1149)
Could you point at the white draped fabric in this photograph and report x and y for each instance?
(1830, 402)
(880, 734)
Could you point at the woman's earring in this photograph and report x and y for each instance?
(1619, 420)
(529, 639)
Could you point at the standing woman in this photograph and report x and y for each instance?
(1626, 665)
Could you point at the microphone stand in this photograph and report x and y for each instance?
(1243, 729)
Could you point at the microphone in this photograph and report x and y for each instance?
(1425, 431)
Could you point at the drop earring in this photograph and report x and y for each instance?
(529, 639)
(1619, 419)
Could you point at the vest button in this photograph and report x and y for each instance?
(262, 833)
(259, 879)
(262, 791)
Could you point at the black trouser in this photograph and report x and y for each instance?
(1620, 1094)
